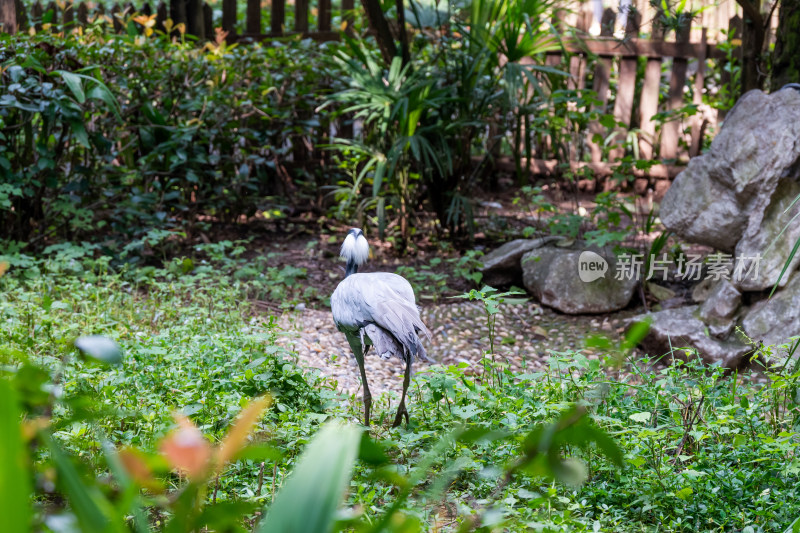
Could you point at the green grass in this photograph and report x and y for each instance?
(702, 450)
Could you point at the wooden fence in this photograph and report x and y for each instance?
(672, 58)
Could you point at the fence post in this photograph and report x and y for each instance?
(671, 131)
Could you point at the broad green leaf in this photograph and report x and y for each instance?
(309, 498)
(14, 481)
(73, 81)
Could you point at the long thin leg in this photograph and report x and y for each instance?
(367, 394)
(358, 351)
(401, 409)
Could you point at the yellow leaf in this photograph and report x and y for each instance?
(3, 268)
(186, 449)
(237, 436)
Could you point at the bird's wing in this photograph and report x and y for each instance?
(381, 299)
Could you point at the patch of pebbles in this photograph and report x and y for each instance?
(525, 335)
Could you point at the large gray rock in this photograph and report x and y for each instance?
(503, 266)
(551, 274)
(774, 320)
(725, 195)
(673, 329)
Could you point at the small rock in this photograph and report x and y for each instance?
(502, 267)
(660, 293)
(720, 307)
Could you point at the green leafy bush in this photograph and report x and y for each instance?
(132, 134)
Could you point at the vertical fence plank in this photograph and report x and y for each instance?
(22, 15)
(671, 131)
(277, 16)
(602, 75)
(69, 16)
(83, 14)
(734, 32)
(253, 25)
(36, 15)
(53, 9)
(324, 15)
(177, 12)
(301, 16)
(577, 63)
(146, 9)
(626, 86)
(698, 120)
(347, 14)
(253, 17)
(208, 21)
(194, 18)
(648, 101)
(116, 11)
(229, 18)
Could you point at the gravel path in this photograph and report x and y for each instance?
(525, 335)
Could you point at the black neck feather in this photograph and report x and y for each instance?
(351, 268)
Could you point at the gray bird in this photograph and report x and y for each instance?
(377, 309)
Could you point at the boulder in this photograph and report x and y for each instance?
(673, 329)
(503, 266)
(552, 275)
(725, 195)
(773, 320)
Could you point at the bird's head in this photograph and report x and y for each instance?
(355, 250)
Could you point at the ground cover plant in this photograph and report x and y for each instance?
(585, 445)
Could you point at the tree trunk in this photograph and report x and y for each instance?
(753, 35)
(786, 56)
(8, 16)
(378, 22)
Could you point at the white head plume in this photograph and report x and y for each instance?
(355, 247)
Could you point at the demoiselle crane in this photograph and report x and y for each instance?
(377, 309)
